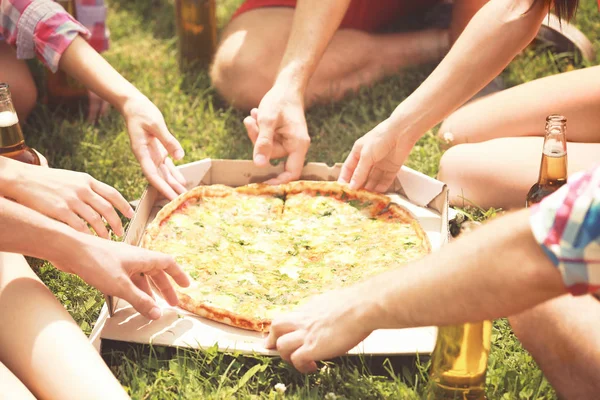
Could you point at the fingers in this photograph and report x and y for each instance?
(140, 280)
(106, 210)
(362, 171)
(164, 262)
(94, 107)
(263, 146)
(175, 172)
(169, 141)
(293, 168)
(289, 343)
(141, 301)
(165, 288)
(153, 176)
(302, 360)
(350, 164)
(92, 217)
(279, 327)
(171, 180)
(73, 220)
(386, 181)
(114, 197)
(252, 128)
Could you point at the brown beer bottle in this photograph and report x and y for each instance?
(196, 31)
(63, 90)
(553, 168)
(12, 143)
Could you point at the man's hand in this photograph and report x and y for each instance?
(327, 326)
(375, 159)
(67, 196)
(121, 270)
(152, 143)
(278, 129)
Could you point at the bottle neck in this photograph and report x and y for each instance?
(554, 155)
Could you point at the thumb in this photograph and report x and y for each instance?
(141, 301)
(263, 147)
(169, 141)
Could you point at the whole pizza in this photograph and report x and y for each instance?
(259, 250)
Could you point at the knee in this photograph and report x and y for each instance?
(24, 98)
(454, 173)
(239, 76)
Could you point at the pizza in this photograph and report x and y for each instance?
(258, 250)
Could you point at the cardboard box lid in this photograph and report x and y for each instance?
(425, 197)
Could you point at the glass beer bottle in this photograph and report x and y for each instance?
(12, 142)
(459, 362)
(196, 31)
(62, 89)
(553, 168)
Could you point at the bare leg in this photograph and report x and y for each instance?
(41, 344)
(563, 337)
(253, 45)
(12, 388)
(17, 75)
(499, 173)
(522, 110)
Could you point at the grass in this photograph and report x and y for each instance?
(144, 50)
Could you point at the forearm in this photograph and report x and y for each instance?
(498, 271)
(83, 63)
(25, 231)
(495, 35)
(315, 22)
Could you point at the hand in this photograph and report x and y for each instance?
(375, 160)
(152, 143)
(121, 270)
(328, 326)
(278, 129)
(97, 108)
(69, 197)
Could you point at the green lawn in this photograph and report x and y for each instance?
(143, 49)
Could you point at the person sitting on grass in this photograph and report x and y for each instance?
(43, 353)
(547, 252)
(282, 60)
(497, 140)
(45, 29)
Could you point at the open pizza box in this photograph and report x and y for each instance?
(425, 197)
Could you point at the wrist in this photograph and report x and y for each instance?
(128, 103)
(64, 237)
(293, 79)
(11, 173)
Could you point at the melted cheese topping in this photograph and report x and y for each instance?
(256, 256)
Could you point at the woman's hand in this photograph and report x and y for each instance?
(67, 196)
(152, 143)
(121, 270)
(375, 159)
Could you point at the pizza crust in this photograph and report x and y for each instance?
(379, 207)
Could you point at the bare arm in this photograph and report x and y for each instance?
(150, 138)
(497, 271)
(315, 22)
(278, 127)
(493, 37)
(114, 268)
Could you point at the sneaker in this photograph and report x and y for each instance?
(564, 38)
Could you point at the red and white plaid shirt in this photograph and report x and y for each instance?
(45, 29)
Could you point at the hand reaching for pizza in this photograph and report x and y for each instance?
(375, 159)
(67, 196)
(278, 129)
(121, 270)
(328, 326)
(152, 143)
